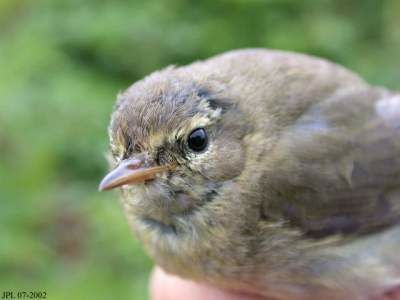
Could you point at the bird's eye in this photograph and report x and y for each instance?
(197, 140)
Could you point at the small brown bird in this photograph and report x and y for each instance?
(263, 171)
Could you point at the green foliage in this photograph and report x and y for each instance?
(61, 65)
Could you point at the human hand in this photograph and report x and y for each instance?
(168, 287)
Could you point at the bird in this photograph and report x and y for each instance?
(265, 171)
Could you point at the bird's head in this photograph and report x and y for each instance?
(176, 145)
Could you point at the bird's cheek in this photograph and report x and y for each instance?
(226, 161)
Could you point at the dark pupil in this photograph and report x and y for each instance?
(197, 140)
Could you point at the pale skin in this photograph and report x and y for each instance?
(164, 286)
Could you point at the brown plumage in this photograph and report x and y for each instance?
(266, 171)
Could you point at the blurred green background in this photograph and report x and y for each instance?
(61, 65)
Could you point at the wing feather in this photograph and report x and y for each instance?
(337, 168)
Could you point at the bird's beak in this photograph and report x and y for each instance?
(130, 171)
